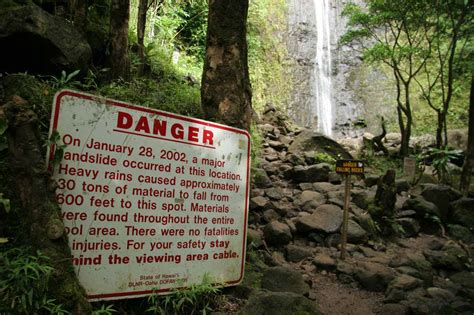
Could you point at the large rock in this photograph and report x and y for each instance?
(277, 233)
(396, 290)
(326, 219)
(449, 257)
(296, 253)
(355, 234)
(410, 226)
(279, 303)
(441, 196)
(372, 276)
(284, 279)
(312, 141)
(260, 178)
(35, 41)
(422, 207)
(461, 233)
(313, 173)
(463, 212)
(309, 200)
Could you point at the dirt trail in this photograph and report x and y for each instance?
(335, 298)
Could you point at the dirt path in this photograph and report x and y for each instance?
(334, 298)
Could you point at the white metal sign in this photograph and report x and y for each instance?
(151, 200)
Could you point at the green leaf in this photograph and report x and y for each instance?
(3, 240)
(5, 202)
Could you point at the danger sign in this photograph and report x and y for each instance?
(151, 200)
(349, 167)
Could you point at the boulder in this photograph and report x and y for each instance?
(410, 226)
(284, 279)
(296, 253)
(277, 233)
(324, 187)
(360, 198)
(457, 138)
(313, 173)
(463, 278)
(404, 282)
(461, 233)
(279, 303)
(326, 219)
(402, 185)
(372, 276)
(295, 159)
(440, 294)
(422, 207)
(397, 289)
(254, 238)
(449, 257)
(463, 213)
(312, 141)
(274, 193)
(324, 261)
(38, 42)
(355, 234)
(441, 196)
(260, 178)
(258, 202)
(270, 215)
(309, 200)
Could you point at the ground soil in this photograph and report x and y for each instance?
(335, 298)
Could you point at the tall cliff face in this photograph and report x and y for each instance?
(356, 93)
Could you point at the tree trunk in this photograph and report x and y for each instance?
(42, 227)
(469, 157)
(225, 91)
(406, 134)
(440, 129)
(118, 59)
(141, 25)
(79, 15)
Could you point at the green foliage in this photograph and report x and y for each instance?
(174, 96)
(175, 34)
(267, 53)
(428, 43)
(105, 310)
(322, 157)
(440, 159)
(58, 148)
(379, 163)
(65, 80)
(5, 203)
(193, 300)
(24, 280)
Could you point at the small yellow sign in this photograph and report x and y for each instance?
(349, 167)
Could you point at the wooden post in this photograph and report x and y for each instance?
(347, 196)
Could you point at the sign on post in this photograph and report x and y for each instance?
(151, 201)
(347, 168)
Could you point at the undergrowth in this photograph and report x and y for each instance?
(24, 278)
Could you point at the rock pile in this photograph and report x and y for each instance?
(295, 220)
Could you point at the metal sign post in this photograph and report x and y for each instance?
(347, 168)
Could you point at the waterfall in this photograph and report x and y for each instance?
(322, 84)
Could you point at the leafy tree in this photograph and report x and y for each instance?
(449, 31)
(413, 38)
